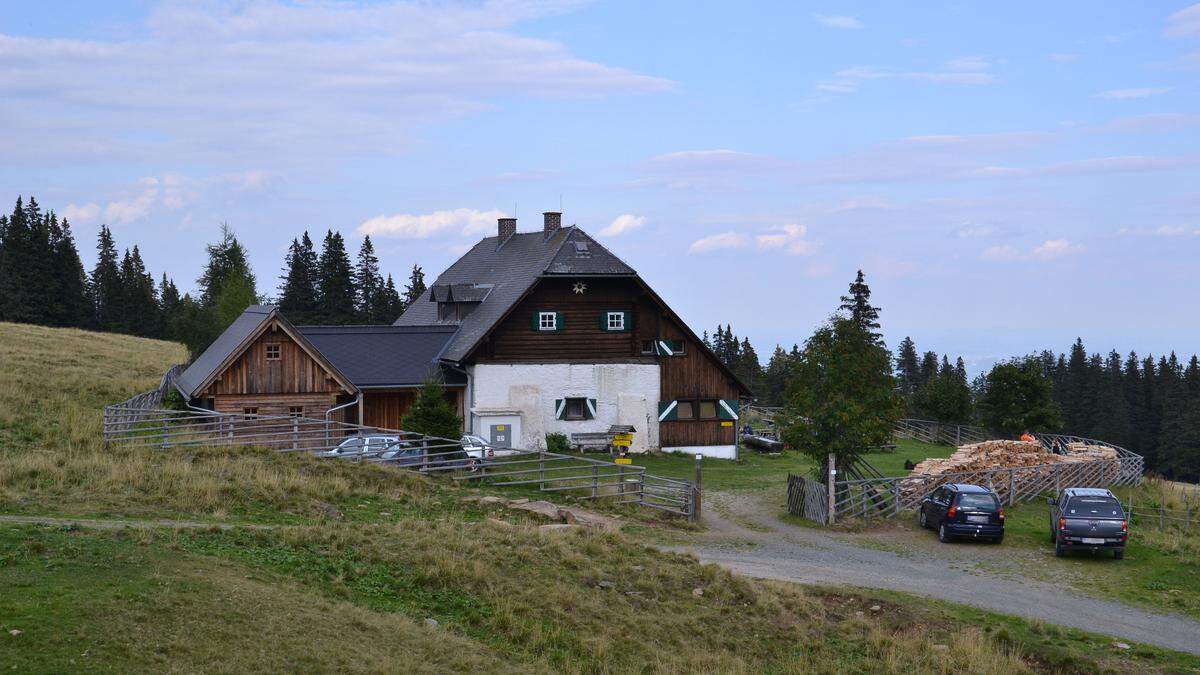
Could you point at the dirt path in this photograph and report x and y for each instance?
(794, 553)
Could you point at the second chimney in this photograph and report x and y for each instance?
(507, 227)
(553, 221)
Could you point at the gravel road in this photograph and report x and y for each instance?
(793, 553)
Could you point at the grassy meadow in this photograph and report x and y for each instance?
(366, 569)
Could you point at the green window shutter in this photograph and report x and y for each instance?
(629, 321)
(589, 410)
(667, 411)
(559, 407)
(560, 321)
(727, 409)
(535, 325)
(602, 321)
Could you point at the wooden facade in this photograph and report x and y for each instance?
(386, 409)
(514, 340)
(288, 368)
(693, 375)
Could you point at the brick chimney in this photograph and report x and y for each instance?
(507, 227)
(553, 221)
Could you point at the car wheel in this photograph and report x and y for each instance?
(1119, 554)
(942, 535)
(1052, 537)
(923, 519)
(1058, 550)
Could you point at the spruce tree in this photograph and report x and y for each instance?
(858, 308)
(775, 377)
(106, 290)
(139, 301)
(335, 282)
(368, 285)
(298, 292)
(168, 308)
(908, 374)
(415, 287)
(227, 261)
(74, 305)
(392, 304)
(431, 414)
(928, 368)
(16, 295)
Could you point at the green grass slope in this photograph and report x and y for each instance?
(356, 559)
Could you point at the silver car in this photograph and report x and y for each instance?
(366, 444)
(477, 448)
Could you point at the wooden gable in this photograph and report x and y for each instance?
(275, 363)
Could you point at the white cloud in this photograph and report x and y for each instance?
(422, 226)
(1050, 249)
(1151, 122)
(170, 191)
(1161, 231)
(1127, 94)
(1004, 252)
(967, 63)
(1184, 22)
(788, 238)
(83, 213)
(289, 81)
(968, 70)
(717, 242)
(838, 21)
(1055, 248)
(623, 223)
(1064, 57)
(971, 231)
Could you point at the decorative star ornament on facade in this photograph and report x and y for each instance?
(579, 288)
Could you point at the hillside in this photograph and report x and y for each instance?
(349, 566)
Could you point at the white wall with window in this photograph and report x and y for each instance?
(570, 398)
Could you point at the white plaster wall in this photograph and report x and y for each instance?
(625, 393)
(715, 451)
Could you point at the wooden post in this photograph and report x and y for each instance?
(831, 497)
(542, 470)
(1012, 487)
(1057, 484)
(895, 498)
(697, 490)
(595, 471)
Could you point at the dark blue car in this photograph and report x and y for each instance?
(963, 511)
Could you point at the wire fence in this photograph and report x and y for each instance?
(133, 425)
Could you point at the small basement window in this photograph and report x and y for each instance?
(648, 347)
(616, 321)
(576, 409)
(273, 352)
(249, 411)
(670, 347)
(296, 411)
(708, 410)
(685, 410)
(547, 321)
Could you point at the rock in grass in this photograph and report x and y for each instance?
(606, 584)
(431, 623)
(556, 527)
(1121, 645)
(541, 508)
(697, 592)
(875, 608)
(15, 631)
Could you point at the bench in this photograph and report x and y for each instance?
(597, 441)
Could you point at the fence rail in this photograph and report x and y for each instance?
(135, 424)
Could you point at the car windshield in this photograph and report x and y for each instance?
(351, 443)
(1095, 506)
(977, 500)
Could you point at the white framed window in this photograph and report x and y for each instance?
(547, 320)
(616, 320)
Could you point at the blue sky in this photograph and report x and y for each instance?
(1009, 176)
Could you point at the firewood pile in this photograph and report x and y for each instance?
(998, 455)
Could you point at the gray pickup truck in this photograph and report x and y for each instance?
(1088, 519)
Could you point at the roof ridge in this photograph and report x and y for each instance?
(570, 229)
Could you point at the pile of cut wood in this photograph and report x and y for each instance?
(1009, 454)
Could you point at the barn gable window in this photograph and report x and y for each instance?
(616, 321)
(547, 321)
(296, 411)
(273, 351)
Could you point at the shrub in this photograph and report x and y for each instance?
(557, 443)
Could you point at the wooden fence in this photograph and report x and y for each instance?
(583, 477)
(807, 498)
(889, 496)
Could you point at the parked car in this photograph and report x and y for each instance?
(1090, 519)
(967, 511)
(436, 458)
(480, 449)
(362, 444)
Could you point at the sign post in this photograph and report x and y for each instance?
(831, 497)
(697, 491)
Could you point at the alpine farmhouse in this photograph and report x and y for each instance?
(530, 333)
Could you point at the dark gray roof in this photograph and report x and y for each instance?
(512, 269)
(221, 348)
(384, 356)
